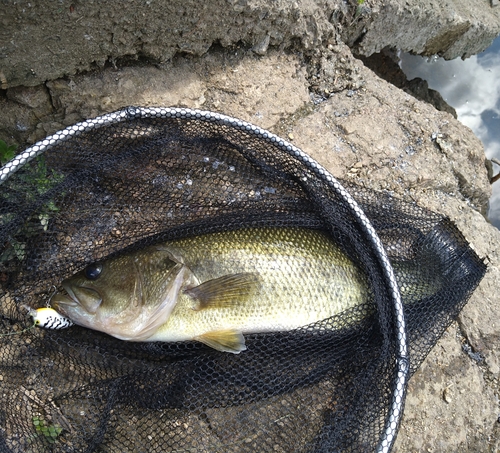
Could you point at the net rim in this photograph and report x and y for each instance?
(402, 366)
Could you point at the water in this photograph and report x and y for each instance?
(472, 87)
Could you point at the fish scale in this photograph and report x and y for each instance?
(215, 288)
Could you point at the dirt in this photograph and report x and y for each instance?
(282, 66)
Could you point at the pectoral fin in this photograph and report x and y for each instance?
(226, 291)
(224, 340)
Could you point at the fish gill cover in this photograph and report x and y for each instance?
(105, 190)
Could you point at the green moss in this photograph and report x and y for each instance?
(7, 152)
(48, 431)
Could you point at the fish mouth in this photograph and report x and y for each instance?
(62, 302)
(86, 298)
(60, 298)
(72, 300)
(69, 301)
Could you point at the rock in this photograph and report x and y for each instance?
(236, 83)
(19, 121)
(386, 65)
(48, 40)
(420, 88)
(392, 133)
(451, 29)
(449, 406)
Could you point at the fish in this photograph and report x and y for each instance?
(215, 288)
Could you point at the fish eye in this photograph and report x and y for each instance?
(92, 271)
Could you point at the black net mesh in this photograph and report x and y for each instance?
(132, 179)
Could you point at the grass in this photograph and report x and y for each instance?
(30, 183)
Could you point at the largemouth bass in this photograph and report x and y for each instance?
(216, 287)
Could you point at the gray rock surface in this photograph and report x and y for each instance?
(315, 94)
(45, 40)
(452, 29)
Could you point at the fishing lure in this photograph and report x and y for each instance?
(45, 317)
(48, 318)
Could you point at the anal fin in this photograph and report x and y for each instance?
(228, 340)
(226, 291)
